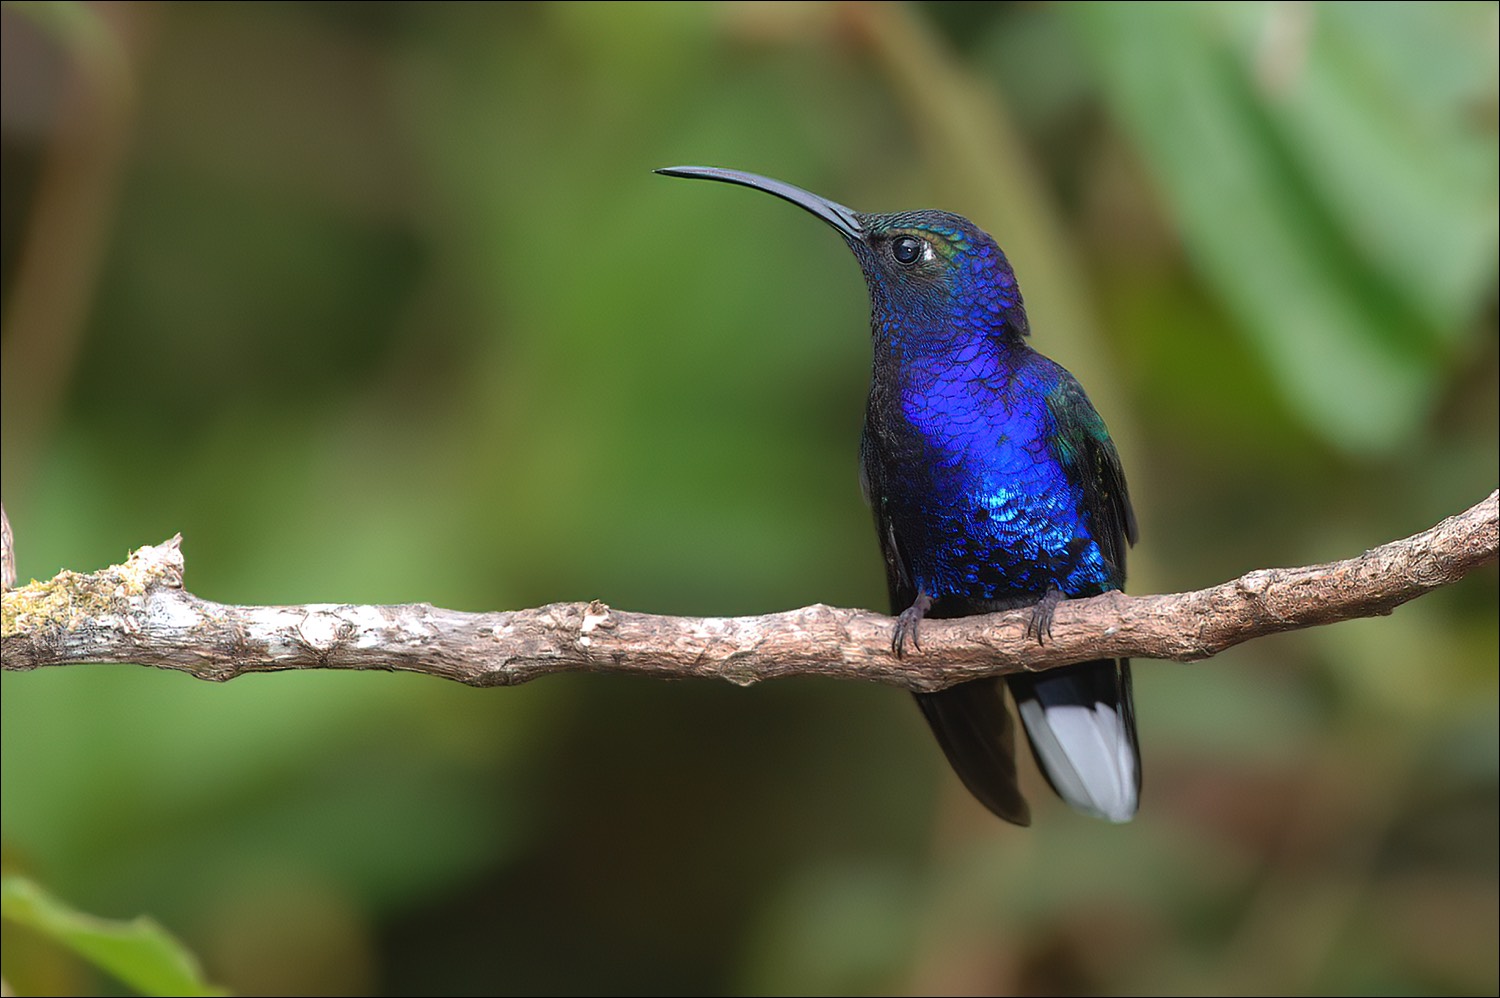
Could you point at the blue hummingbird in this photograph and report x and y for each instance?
(994, 485)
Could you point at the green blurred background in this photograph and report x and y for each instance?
(381, 303)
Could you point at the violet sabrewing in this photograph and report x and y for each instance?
(994, 485)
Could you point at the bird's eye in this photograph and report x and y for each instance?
(907, 250)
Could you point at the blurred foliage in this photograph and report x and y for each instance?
(381, 303)
(137, 952)
(1334, 191)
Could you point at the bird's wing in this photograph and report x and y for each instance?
(898, 576)
(1080, 719)
(1083, 446)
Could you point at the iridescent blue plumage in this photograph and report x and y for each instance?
(994, 485)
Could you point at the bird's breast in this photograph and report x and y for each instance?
(974, 487)
(968, 410)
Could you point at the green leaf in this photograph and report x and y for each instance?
(1340, 201)
(1400, 145)
(139, 952)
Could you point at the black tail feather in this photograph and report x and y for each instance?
(973, 725)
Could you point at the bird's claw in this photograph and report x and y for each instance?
(907, 624)
(1040, 624)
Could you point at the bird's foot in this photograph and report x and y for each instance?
(906, 624)
(1040, 624)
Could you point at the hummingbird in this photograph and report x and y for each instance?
(994, 485)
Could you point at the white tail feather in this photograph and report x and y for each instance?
(1088, 755)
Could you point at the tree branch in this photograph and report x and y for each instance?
(138, 612)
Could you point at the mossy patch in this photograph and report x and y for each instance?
(69, 599)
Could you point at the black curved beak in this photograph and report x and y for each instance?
(835, 214)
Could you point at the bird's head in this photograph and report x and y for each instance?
(926, 270)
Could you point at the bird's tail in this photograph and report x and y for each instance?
(1081, 723)
(978, 736)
